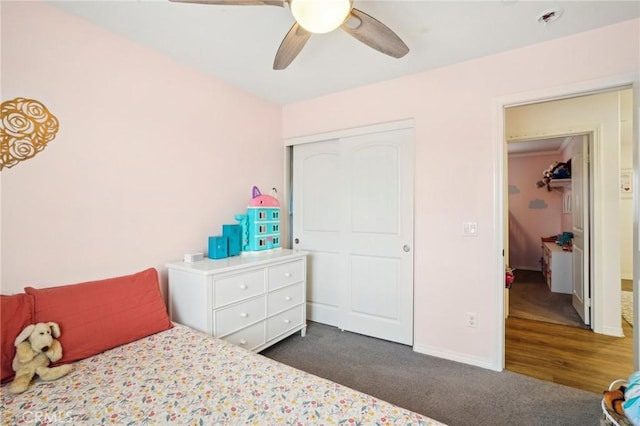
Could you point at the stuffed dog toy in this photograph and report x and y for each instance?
(36, 348)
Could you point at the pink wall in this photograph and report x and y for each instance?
(533, 212)
(454, 110)
(151, 158)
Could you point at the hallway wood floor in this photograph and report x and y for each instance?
(530, 298)
(566, 355)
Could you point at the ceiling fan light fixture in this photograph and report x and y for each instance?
(320, 16)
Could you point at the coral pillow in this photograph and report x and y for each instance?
(16, 312)
(100, 315)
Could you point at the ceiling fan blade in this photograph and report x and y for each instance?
(236, 2)
(374, 34)
(291, 45)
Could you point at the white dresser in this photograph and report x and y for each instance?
(557, 268)
(253, 300)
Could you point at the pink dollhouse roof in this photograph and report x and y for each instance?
(260, 200)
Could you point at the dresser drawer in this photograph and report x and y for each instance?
(285, 274)
(248, 338)
(284, 321)
(236, 287)
(232, 318)
(284, 298)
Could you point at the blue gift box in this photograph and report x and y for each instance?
(218, 247)
(232, 232)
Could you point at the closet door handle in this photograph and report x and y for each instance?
(406, 248)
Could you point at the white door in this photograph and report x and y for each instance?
(358, 228)
(317, 215)
(580, 207)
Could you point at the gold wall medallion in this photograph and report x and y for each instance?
(26, 127)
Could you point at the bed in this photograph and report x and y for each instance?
(180, 376)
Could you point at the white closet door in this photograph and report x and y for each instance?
(316, 225)
(359, 231)
(581, 298)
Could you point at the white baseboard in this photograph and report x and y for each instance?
(613, 331)
(457, 357)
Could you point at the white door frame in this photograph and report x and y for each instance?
(499, 147)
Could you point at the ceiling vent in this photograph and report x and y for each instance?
(550, 15)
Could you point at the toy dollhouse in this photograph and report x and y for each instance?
(260, 227)
(257, 230)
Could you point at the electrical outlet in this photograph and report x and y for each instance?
(471, 319)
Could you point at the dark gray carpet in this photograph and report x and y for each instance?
(530, 298)
(453, 393)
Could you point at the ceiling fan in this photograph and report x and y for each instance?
(323, 16)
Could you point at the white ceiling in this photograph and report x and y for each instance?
(237, 43)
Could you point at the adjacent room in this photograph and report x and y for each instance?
(216, 212)
(542, 197)
(553, 205)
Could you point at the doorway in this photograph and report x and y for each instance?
(603, 127)
(598, 115)
(548, 248)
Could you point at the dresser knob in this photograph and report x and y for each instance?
(287, 274)
(244, 314)
(287, 321)
(288, 298)
(243, 287)
(243, 342)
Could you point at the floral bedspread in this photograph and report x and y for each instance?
(184, 377)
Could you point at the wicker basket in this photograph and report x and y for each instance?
(611, 418)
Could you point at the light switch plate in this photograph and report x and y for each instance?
(470, 229)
